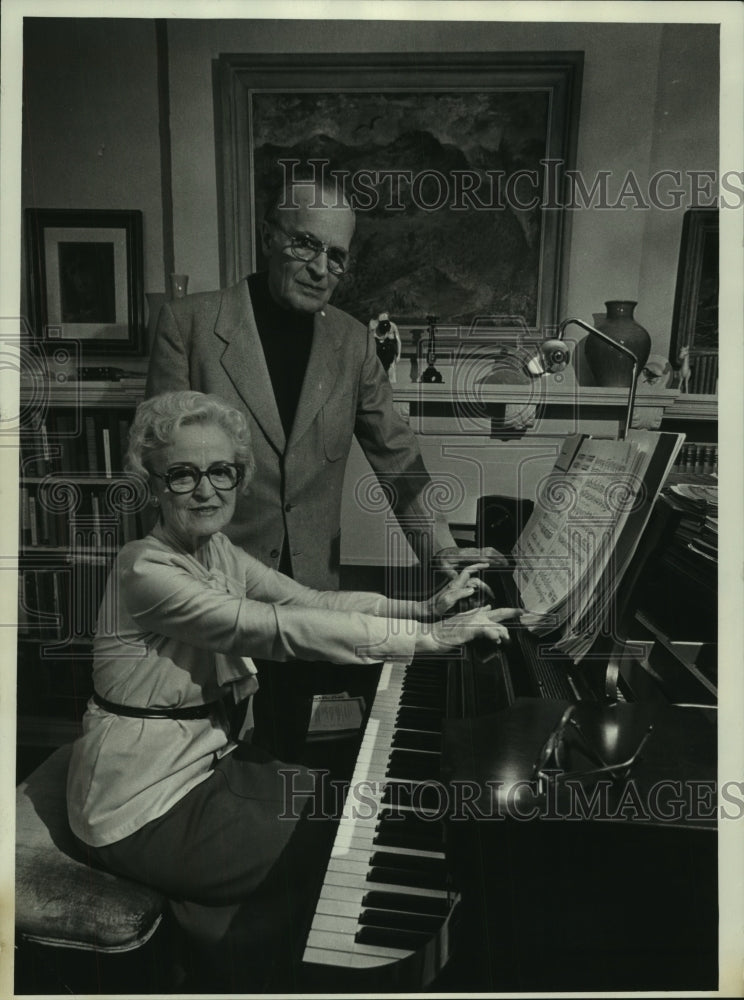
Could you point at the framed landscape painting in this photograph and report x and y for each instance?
(454, 165)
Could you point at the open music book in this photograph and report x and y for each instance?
(335, 715)
(588, 520)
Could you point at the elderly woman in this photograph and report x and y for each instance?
(157, 789)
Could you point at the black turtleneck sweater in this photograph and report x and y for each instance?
(286, 338)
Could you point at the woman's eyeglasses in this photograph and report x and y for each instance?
(307, 248)
(185, 478)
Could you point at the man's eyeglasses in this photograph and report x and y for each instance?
(185, 478)
(307, 248)
(568, 735)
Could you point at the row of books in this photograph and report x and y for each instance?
(60, 605)
(697, 459)
(704, 373)
(68, 440)
(47, 520)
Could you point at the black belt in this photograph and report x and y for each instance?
(196, 712)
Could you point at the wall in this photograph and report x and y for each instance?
(643, 108)
(90, 124)
(91, 130)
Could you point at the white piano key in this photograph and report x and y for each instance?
(353, 881)
(339, 907)
(333, 941)
(337, 923)
(340, 904)
(347, 854)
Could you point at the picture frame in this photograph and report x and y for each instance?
(484, 117)
(695, 314)
(85, 278)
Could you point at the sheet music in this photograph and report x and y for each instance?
(657, 455)
(574, 522)
(585, 529)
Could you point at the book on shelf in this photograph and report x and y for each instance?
(33, 520)
(697, 459)
(64, 429)
(25, 530)
(96, 510)
(35, 451)
(45, 450)
(584, 530)
(57, 594)
(94, 453)
(106, 452)
(45, 523)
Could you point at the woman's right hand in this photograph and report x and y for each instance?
(463, 628)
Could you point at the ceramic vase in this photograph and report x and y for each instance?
(609, 366)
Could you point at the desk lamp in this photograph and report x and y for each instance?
(553, 356)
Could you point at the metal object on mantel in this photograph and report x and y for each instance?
(431, 374)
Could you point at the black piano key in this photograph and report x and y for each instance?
(393, 839)
(409, 739)
(425, 720)
(421, 684)
(417, 669)
(405, 822)
(419, 699)
(427, 798)
(392, 819)
(410, 764)
(388, 938)
(406, 902)
(399, 818)
(398, 920)
(410, 862)
(405, 876)
(426, 836)
(422, 702)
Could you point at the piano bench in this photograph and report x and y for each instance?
(60, 899)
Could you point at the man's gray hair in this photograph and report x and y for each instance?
(282, 193)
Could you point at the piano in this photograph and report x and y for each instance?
(435, 884)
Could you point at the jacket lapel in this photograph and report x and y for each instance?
(322, 370)
(244, 363)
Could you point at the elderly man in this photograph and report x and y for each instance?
(308, 377)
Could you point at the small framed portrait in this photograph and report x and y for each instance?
(85, 275)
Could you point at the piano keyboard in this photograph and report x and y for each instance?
(385, 897)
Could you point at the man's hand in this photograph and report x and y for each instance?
(450, 560)
(462, 586)
(453, 561)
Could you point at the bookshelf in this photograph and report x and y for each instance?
(76, 509)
